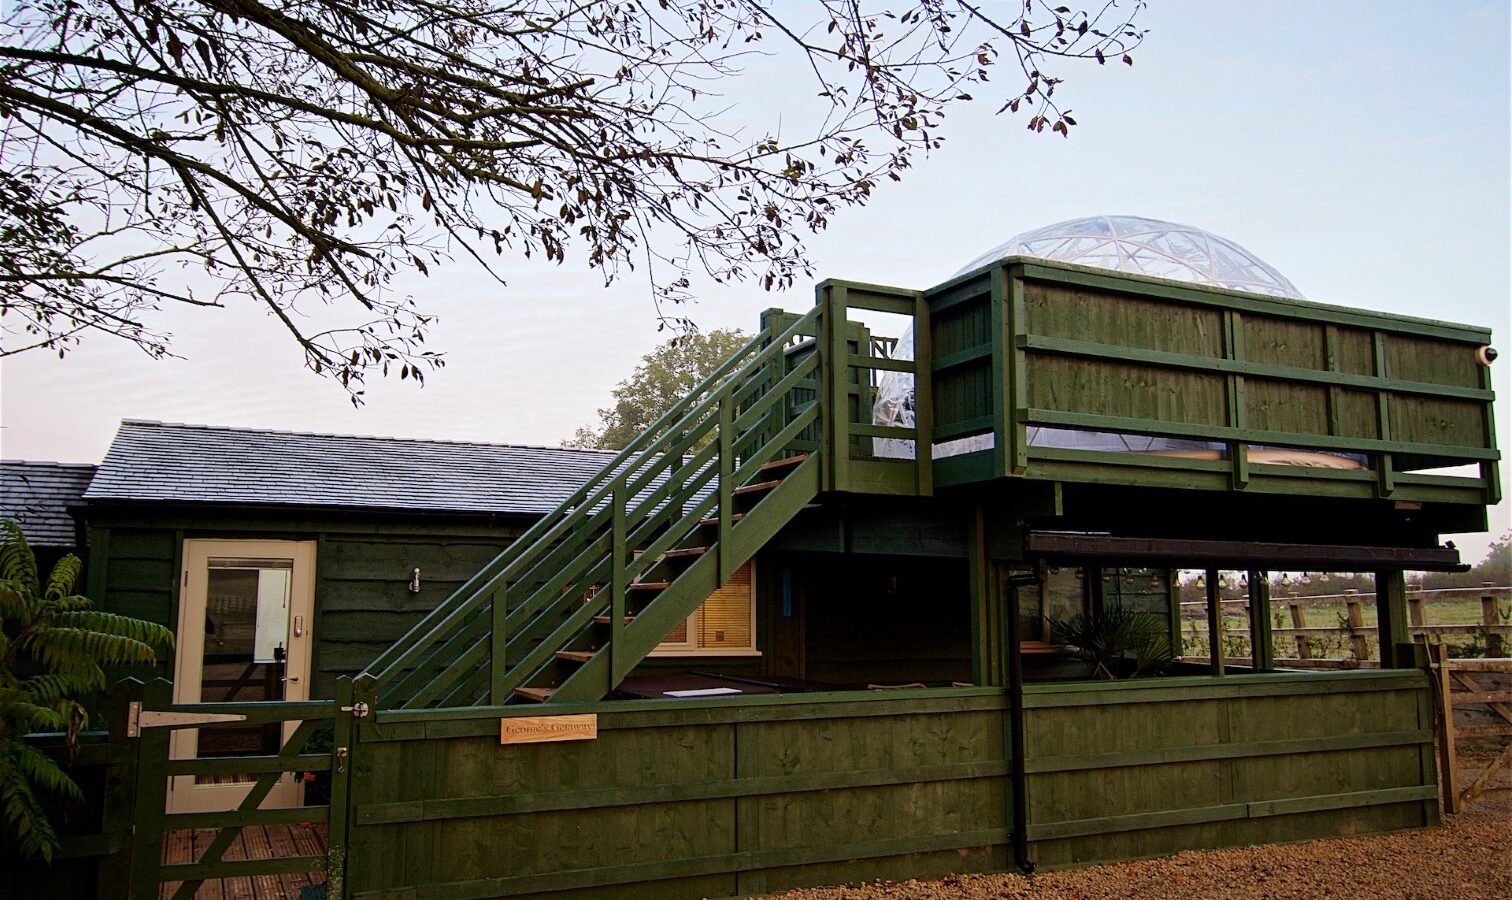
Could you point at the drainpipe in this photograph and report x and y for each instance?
(1016, 715)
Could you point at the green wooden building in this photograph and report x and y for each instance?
(762, 648)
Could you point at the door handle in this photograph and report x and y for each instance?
(299, 626)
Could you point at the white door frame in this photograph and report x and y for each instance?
(183, 794)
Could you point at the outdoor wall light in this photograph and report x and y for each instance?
(414, 584)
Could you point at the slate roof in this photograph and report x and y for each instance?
(165, 462)
(37, 496)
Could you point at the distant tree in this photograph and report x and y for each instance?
(302, 154)
(664, 376)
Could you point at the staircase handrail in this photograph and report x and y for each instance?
(583, 504)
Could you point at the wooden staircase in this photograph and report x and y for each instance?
(577, 672)
(566, 612)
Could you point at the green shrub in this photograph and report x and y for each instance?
(53, 648)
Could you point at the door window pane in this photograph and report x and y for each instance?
(245, 653)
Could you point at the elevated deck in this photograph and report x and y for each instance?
(1026, 344)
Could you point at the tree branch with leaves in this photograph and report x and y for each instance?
(305, 154)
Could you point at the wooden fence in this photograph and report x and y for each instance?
(1471, 686)
(1356, 639)
(1128, 769)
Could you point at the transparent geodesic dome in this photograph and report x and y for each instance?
(1131, 244)
(1142, 246)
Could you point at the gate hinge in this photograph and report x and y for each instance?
(358, 710)
(138, 718)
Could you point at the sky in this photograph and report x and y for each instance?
(1362, 149)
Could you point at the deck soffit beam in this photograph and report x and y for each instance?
(1199, 554)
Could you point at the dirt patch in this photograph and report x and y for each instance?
(1469, 858)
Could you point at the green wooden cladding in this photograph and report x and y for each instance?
(756, 794)
(1028, 343)
(1152, 767)
(675, 799)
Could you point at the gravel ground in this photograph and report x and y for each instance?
(1469, 858)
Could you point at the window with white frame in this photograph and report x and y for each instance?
(724, 625)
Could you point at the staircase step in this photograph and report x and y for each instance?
(577, 656)
(648, 586)
(786, 462)
(755, 488)
(736, 517)
(604, 620)
(686, 552)
(539, 695)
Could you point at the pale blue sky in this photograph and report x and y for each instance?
(1360, 148)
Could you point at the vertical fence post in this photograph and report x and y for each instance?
(342, 735)
(1357, 630)
(618, 584)
(118, 812)
(151, 797)
(1438, 655)
(1489, 618)
(1299, 621)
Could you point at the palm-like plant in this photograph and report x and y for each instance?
(1105, 641)
(54, 646)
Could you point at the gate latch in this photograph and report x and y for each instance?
(358, 710)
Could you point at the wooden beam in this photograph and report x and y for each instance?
(1239, 554)
(1262, 649)
(1214, 623)
(1392, 620)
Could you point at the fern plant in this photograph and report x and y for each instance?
(54, 646)
(1116, 640)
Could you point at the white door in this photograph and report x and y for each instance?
(243, 635)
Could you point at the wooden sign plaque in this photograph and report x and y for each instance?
(543, 729)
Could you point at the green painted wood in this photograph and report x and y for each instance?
(669, 792)
(1083, 349)
(343, 749)
(151, 797)
(1209, 762)
(291, 816)
(734, 787)
(1203, 752)
(1216, 298)
(249, 765)
(197, 873)
(999, 405)
(1262, 647)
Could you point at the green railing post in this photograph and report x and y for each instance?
(618, 585)
(726, 492)
(923, 398)
(836, 386)
(499, 640)
(342, 739)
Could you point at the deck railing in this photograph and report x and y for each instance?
(1028, 344)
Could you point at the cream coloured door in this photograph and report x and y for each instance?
(245, 612)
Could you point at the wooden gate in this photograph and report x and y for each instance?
(1466, 684)
(269, 852)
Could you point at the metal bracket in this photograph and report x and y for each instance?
(341, 758)
(138, 718)
(358, 710)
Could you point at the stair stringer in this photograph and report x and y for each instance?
(594, 679)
